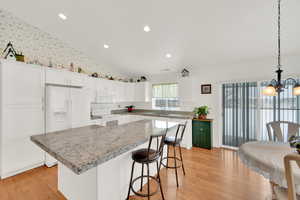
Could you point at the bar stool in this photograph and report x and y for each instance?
(147, 156)
(174, 141)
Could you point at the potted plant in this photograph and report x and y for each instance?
(130, 108)
(201, 112)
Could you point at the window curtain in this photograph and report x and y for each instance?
(240, 103)
(246, 111)
(169, 90)
(165, 95)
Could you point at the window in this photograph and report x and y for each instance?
(165, 95)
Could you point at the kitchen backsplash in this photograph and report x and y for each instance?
(36, 44)
(100, 109)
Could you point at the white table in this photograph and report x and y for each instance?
(266, 158)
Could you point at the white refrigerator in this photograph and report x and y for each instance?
(66, 107)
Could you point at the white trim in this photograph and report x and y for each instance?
(229, 147)
(21, 170)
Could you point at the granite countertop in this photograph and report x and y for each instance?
(158, 113)
(81, 149)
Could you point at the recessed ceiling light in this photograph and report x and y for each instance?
(147, 29)
(106, 46)
(168, 55)
(62, 16)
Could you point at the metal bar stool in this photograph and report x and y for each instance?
(147, 156)
(174, 141)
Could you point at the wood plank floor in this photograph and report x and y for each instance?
(210, 175)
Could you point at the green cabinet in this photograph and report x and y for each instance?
(202, 133)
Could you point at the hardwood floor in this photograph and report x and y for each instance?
(210, 175)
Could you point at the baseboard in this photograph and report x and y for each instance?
(7, 175)
(230, 148)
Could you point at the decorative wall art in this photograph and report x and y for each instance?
(185, 73)
(206, 89)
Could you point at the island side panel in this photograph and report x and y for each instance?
(109, 180)
(77, 187)
(114, 176)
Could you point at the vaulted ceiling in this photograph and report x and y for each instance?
(196, 33)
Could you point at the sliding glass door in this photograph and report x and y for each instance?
(246, 112)
(239, 113)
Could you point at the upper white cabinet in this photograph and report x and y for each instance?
(22, 115)
(21, 84)
(61, 77)
(140, 91)
(108, 91)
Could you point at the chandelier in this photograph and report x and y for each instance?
(277, 86)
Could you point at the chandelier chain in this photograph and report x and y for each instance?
(279, 33)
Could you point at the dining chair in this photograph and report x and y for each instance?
(276, 128)
(290, 192)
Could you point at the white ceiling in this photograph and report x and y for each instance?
(197, 33)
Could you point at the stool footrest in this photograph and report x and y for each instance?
(141, 194)
(171, 167)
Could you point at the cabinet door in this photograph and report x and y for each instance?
(18, 151)
(129, 92)
(80, 107)
(54, 76)
(104, 92)
(120, 92)
(196, 134)
(22, 116)
(92, 90)
(76, 79)
(22, 84)
(202, 134)
(140, 92)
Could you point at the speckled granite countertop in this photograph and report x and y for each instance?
(81, 149)
(157, 113)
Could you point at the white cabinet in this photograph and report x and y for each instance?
(108, 91)
(80, 107)
(129, 92)
(92, 89)
(62, 77)
(22, 116)
(140, 92)
(104, 91)
(54, 76)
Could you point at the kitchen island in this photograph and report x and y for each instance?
(94, 161)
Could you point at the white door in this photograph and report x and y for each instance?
(58, 115)
(22, 116)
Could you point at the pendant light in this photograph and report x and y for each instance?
(277, 86)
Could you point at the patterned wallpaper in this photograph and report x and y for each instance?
(38, 45)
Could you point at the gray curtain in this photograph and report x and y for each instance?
(240, 103)
(246, 112)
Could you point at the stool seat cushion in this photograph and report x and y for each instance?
(171, 140)
(141, 155)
